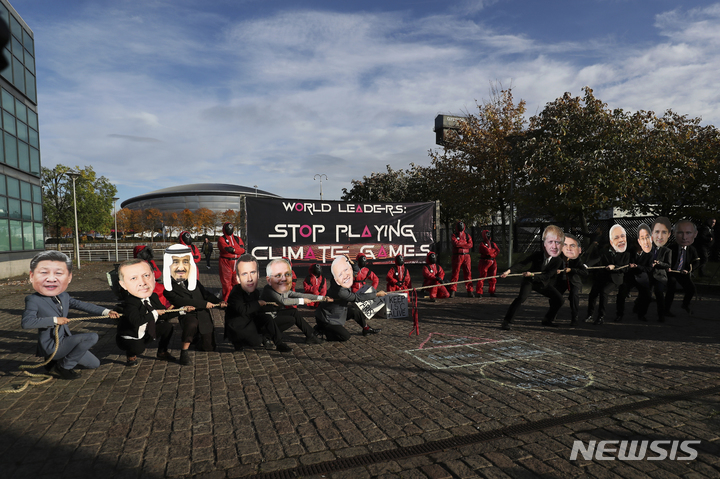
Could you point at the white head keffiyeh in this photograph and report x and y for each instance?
(178, 250)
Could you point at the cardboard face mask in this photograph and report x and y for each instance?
(50, 278)
(645, 240)
(571, 249)
(618, 239)
(552, 245)
(342, 272)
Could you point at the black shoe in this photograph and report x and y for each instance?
(492, 295)
(669, 314)
(313, 339)
(549, 323)
(369, 330)
(573, 322)
(452, 294)
(319, 331)
(471, 294)
(505, 325)
(65, 373)
(166, 356)
(600, 320)
(267, 344)
(283, 348)
(661, 319)
(642, 318)
(688, 309)
(185, 358)
(131, 361)
(619, 318)
(48, 367)
(432, 300)
(589, 319)
(238, 347)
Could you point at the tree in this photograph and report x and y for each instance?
(94, 200)
(151, 219)
(128, 221)
(204, 220)
(187, 220)
(579, 159)
(475, 166)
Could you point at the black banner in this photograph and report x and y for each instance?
(318, 231)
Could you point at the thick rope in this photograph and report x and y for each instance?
(47, 377)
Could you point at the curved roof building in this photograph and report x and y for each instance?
(213, 196)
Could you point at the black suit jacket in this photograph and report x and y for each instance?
(199, 297)
(242, 308)
(612, 257)
(663, 256)
(692, 258)
(135, 314)
(547, 272)
(578, 271)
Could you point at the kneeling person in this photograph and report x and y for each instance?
(144, 318)
(331, 317)
(182, 288)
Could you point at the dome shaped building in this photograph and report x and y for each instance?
(217, 197)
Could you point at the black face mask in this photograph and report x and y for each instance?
(146, 254)
(317, 270)
(185, 238)
(432, 259)
(460, 227)
(362, 261)
(228, 229)
(399, 260)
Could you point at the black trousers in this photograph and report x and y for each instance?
(251, 333)
(337, 332)
(287, 318)
(687, 284)
(527, 285)
(133, 347)
(644, 295)
(602, 289)
(192, 325)
(573, 297)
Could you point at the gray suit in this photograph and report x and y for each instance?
(74, 348)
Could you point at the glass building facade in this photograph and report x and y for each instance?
(21, 217)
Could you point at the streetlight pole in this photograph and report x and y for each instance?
(116, 241)
(321, 177)
(74, 175)
(255, 190)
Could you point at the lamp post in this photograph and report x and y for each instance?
(74, 175)
(255, 190)
(116, 241)
(315, 178)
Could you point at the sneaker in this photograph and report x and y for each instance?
(589, 319)
(600, 320)
(131, 361)
(283, 348)
(185, 358)
(505, 325)
(166, 356)
(65, 373)
(369, 330)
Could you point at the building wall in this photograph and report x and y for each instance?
(21, 217)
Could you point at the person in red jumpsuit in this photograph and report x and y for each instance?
(364, 275)
(433, 274)
(315, 283)
(398, 278)
(231, 247)
(461, 245)
(146, 253)
(487, 264)
(186, 239)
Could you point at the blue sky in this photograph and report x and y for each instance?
(158, 93)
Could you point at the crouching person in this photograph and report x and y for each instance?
(144, 318)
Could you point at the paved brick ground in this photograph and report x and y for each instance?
(235, 414)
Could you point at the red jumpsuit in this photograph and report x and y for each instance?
(159, 288)
(194, 251)
(365, 275)
(487, 265)
(314, 285)
(398, 278)
(431, 274)
(227, 261)
(461, 245)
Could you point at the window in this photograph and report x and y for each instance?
(39, 236)
(23, 156)
(37, 194)
(3, 207)
(32, 119)
(33, 138)
(37, 212)
(22, 131)
(9, 123)
(34, 161)
(14, 209)
(8, 101)
(27, 213)
(25, 191)
(28, 236)
(18, 75)
(4, 236)
(20, 111)
(11, 156)
(16, 243)
(13, 187)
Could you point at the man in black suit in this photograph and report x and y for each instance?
(661, 255)
(245, 324)
(570, 278)
(332, 316)
(615, 259)
(684, 260)
(50, 275)
(540, 278)
(638, 276)
(182, 288)
(144, 318)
